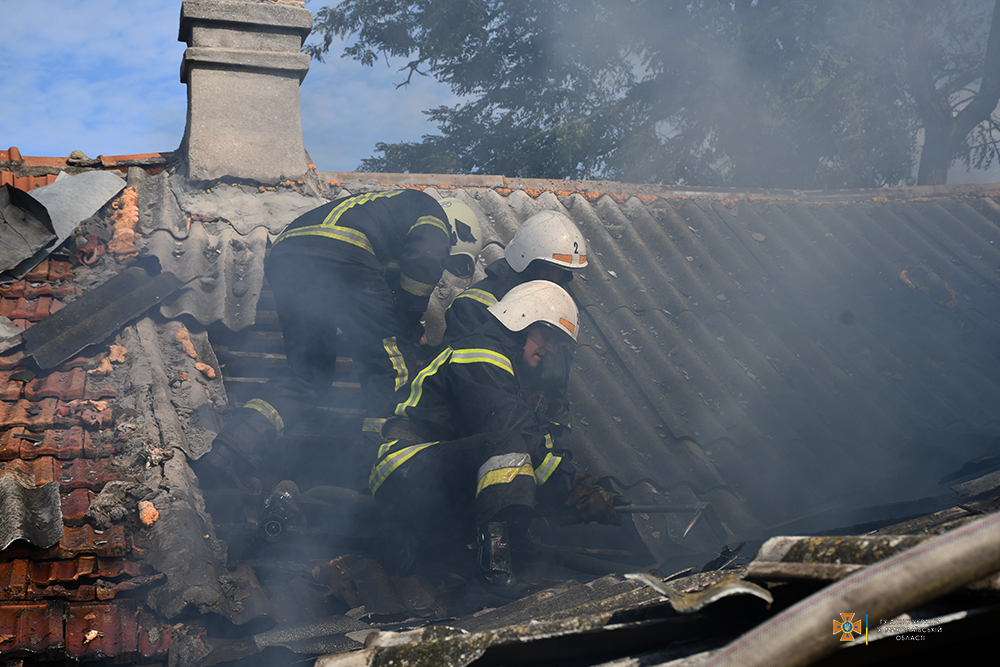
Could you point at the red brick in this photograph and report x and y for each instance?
(84, 474)
(67, 386)
(59, 270)
(40, 273)
(154, 638)
(62, 444)
(13, 580)
(31, 626)
(75, 505)
(47, 572)
(36, 416)
(117, 627)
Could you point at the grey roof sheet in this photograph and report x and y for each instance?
(781, 353)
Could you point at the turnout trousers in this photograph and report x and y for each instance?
(454, 486)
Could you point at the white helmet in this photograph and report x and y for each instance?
(466, 234)
(537, 301)
(548, 236)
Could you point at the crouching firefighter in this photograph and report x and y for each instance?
(467, 453)
(547, 246)
(365, 264)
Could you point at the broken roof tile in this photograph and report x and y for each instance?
(39, 273)
(31, 626)
(87, 540)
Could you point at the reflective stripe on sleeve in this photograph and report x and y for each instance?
(269, 411)
(549, 465)
(417, 388)
(432, 221)
(415, 287)
(387, 465)
(398, 362)
(480, 355)
(480, 295)
(503, 469)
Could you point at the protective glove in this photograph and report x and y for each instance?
(589, 501)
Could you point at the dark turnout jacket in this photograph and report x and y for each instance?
(404, 233)
(477, 385)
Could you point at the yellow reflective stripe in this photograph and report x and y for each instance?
(548, 441)
(373, 425)
(503, 476)
(346, 234)
(417, 388)
(386, 466)
(479, 355)
(329, 227)
(268, 410)
(415, 287)
(433, 222)
(480, 295)
(398, 362)
(549, 465)
(385, 447)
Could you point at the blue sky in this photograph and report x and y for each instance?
(103, 76)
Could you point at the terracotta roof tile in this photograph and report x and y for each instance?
(86, 540)
(67, 386)
(62, 444)
(82, 593)
(31, 626)
(41, 470)
(102, 630)
(37, 416)
(25, 183)
(35, 290)
(11, 359)
(39, 273)
(10, 390)
(84, 474)
(75, 505)
(13, 580)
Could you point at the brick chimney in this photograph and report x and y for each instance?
(243, 67)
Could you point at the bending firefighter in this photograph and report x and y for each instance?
(467, 453)
(365, 264)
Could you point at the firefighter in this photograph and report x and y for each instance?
(547, 246)
(365, 264)
(465, 450)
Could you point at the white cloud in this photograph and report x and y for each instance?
(103, 76)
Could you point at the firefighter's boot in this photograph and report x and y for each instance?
(237, 451)
(495, 562)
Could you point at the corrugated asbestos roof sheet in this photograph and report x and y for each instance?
(778, 354)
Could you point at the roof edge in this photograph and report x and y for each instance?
(662, 191)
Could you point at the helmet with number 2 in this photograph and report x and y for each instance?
(548, 236)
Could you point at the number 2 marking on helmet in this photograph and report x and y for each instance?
(576, 248)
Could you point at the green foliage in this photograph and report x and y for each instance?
(751, 93)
